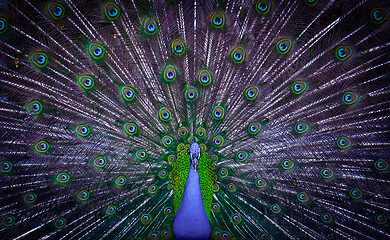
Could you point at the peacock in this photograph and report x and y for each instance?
(217, 119)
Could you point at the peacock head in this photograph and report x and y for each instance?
(194, 153)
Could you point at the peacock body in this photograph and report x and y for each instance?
(194, 119)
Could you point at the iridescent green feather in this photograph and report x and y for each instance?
(180, 170)
(206, 178)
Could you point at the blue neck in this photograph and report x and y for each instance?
(191, 219)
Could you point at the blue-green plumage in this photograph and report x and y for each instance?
(288, 102)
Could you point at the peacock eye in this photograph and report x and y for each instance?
(59, 222)
(215, 207)
(83, 195)
(178, 47)
(218, 141)
(380, 218)
(200, 132)
(86, 82)
(254, 128)
(263, 6)
(327, 173)
(162, 174)
(99, 162)
(379, 15)
(34, 107)
(191, 93)
(145, 219)
(216, 187)
(218, 112)
(343, 52)
(62, 178)
(356, 193)
(167, 141)
(284, 45)
(171, 158)
(301, 127)
(241, 155)
(56, 10)
(252, 92)
(344, 143)
(238, 54)
(82, 130)
(303, 197)
(110, 210)
(5, 166)
(299, 87)
(39, 59)
(264, 236)
(120, 181)
(236, 219)
(130, 128)
(30, 198)
(183, 132)
(260, 183)
(141, 154)
(218, 19)
(381, 165)
(223, 172)
(275, 208)
(3, 25)
(96, 51)
(41, 147)
(287, 164)
(8, 220)
(127, 93)
(231, 187)
(152, 188)
(168, 211)
(164, 114)
(205, 77)
(111, 11)
(326, 217)
(149, 26)
(350, 98)
(169, 73)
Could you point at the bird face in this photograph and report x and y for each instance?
(194, 153)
